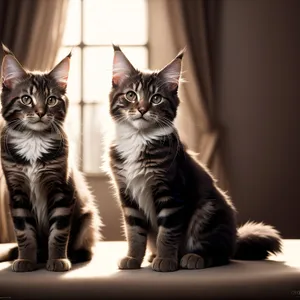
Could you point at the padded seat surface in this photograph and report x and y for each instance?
(276, 278)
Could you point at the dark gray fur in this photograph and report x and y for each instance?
(53, 211)
(169, 200)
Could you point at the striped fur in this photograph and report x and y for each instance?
(53, 211)
(169, 201)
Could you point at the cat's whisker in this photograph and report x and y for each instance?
(122, 119)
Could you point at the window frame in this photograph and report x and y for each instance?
(82, 103)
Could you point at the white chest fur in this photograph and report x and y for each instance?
(37, 196)
(130, 144)
(31, 146)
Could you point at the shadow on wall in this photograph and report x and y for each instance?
(258, 104)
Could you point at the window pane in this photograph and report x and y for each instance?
(73, 130)
(98, 69)
(72, 30)
(74, 82)
(97, 124)
(117, 21)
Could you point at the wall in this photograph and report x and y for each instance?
(257, 92)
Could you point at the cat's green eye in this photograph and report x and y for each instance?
(26, 100)
(156, 99)
(131, 96)
(51, 101)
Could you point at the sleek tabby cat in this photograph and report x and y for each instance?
(168, 199)
(53, 211)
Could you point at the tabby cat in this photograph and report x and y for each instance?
(54, 215)
(169, 200)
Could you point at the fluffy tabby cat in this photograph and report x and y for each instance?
(168, 199)
(53, 211)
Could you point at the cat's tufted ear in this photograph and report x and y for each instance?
(122, 68)
(12, 71)
(6, 50)
(60, 73)
(172, 71)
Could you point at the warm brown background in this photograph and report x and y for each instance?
(258, 77)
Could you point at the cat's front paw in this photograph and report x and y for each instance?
(128, 262)
(23, 265)
(192, 261)
(58, 265)
(164, 264)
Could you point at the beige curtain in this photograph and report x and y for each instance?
(33, 30)
(175, 24)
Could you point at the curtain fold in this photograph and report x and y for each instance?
(33, 30)
(193, 23)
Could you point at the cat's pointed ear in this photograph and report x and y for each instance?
(12, 71)
(172, 71)
(122, 68)
(6, 50)
(60, 73)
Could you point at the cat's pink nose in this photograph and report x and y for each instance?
(142, 110)
(40, 113)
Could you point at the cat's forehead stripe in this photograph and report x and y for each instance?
(152, 88)
(35, 82)
(33, 89)
(38, 86)
(139, 87)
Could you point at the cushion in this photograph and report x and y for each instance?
(276, 278)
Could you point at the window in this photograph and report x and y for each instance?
(91, 28)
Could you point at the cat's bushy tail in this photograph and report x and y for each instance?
(256, 241)
(9, 254)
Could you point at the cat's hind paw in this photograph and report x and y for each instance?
(192, 261)
(58, 265)
(128, 262)
(23, 265)
(164, 264)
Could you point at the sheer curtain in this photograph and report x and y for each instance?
(191, 23)
(33, 30)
